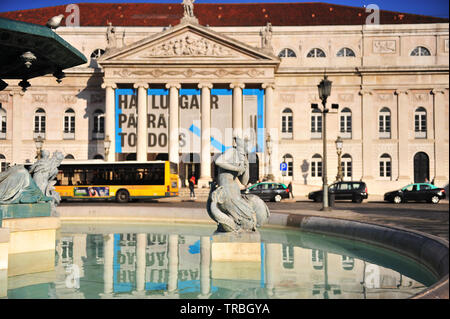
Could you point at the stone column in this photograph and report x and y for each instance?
(440, 105)
(173, 264)
(17, 120)
(141, 247)
(237, 108)
(142, 131)
(173, 122)
(403, 124)
(270, 126)
(110, 119)
(205, 266)
(108, 265)
(368, 130)
(271, 261)
(205, 167)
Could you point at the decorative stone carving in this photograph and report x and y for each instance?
(287, 98)
(39, 98)
(232, 211)
(70, 99)
(384, 97)
(384, 46)
(157, 73)
(4, 98)
(266, 37)
(111, 37)
(188, 16)
(421, 97)
(188, 45)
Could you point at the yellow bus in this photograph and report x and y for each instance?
(120, 181)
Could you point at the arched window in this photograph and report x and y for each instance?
(286, 123)
(99, 125)
(289, 160)
(316, 124)
(69, 124)
(384, 123)
(316, 166)
(420, 122)
(385, 166)
(69, 157)
(98, 156)
(94, 57)
(287, 53)
(2, 122)
(345, 52)
(39, 123)
(346, 166)
(346, 123)
(420, 51)
(3, 164)
(316, 53)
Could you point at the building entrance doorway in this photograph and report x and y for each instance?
(421, 168)
(190, 165)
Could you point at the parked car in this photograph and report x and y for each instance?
(416, 192)
(355, 191)
(268, 191)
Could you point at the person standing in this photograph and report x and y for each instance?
(191, 187)
(290, 190)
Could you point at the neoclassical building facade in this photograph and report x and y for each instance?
(243, 70)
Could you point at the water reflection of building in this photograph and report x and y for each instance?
(168, 266)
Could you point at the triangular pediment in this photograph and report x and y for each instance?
(190, 43)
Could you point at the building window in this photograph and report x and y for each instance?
(287, 53)
(39, 123)
(94, 57)
(316, 53)
(2, 122)
(288, 256)
(420, 123)
(287, 123)
(345, 52)
(420, 51)
(69, 124)
(346, 123)
(316, 124)
(316, 166)
(3, 164)
(385, 166)
(69, 157)
(99, 125)
(346, 166)
(289, 160)
(98, 156)
(384, 123)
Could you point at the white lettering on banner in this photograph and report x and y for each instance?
(189, 122)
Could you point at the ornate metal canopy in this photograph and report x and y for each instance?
(29, 50)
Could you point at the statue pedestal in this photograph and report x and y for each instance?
(236, 257)
(189, 20)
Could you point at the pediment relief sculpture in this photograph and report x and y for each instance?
(188, 45)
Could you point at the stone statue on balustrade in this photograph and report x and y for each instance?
(233, 211)
(18, 186)
(188, 15)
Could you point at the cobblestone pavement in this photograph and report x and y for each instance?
(428, 218)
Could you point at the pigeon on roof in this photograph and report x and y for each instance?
(55, 22)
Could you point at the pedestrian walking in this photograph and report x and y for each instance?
(191, 187)
(290, 190)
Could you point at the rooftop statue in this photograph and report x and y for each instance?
(226, 205)
(188, 15)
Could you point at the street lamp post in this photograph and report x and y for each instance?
(39, 142)
(269, 146)
(324, 92)
(339, 143)
(107, 144)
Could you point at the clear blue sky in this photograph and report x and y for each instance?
(436, 8)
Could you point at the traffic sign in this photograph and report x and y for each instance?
(283, 167)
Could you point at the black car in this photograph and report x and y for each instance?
(355, 191)
(416, 192)
(268, 191)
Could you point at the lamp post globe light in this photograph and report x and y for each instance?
(324, 92)
(339, 144)
(39, 142)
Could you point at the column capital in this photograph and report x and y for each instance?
(437, 91)
(109, 84)
(237, 85)
(140, 85)
(202, 85)
(173, 85)
(16, 92)
(401, 91)
(268, 85)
